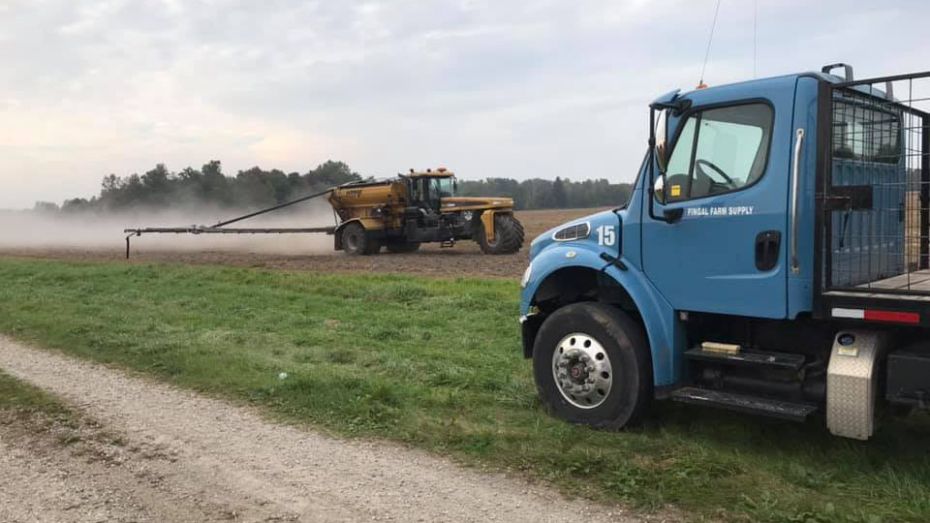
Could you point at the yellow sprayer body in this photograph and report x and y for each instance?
(421, 207)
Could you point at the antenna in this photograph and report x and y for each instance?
(755, 32)
(710, 39)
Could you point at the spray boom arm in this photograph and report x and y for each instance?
(220, 227)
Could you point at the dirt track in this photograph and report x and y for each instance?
(162, 454)
(464, 259)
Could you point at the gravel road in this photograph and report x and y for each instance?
(157, 453)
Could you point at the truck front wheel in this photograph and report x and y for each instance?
(592, 366)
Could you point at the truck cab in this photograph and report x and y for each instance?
(772, 259)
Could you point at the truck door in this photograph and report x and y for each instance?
(723, 248)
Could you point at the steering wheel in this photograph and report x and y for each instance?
(727, 181)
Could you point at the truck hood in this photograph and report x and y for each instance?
(611, 217)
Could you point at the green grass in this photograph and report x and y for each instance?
(437, 364)
(19, 398)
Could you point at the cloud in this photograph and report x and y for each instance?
(524, 88)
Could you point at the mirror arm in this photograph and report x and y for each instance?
(677, 106)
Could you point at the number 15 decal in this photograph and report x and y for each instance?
(606, 235)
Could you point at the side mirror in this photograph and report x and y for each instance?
(662, 156)
(455, 186)
(661, 142)
(659, 189)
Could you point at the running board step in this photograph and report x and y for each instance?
(782, 360)
(743, 403)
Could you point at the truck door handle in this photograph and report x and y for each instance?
(768, 245)
(673, 215)
(795, 180)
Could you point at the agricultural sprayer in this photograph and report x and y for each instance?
(399, 214)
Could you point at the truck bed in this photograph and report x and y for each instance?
(917, 281)
(874, 169)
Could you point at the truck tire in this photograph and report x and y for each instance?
(592, 366)
(403, 247)
(508, 235)
(355, 241)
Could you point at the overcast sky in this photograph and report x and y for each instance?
(487, 88)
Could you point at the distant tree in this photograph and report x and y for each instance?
(46, 207)
(330, 174)
(537, 193)
(215, 186)
(156, 185)
(559, 196)
(78, 205)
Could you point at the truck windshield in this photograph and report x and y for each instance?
(444, 187)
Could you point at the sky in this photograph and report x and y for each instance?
(521, 89)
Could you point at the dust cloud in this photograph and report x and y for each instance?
(32, 230)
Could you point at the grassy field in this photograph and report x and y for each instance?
(437, 364)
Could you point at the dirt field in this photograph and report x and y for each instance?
(145, 451)
(464, 259)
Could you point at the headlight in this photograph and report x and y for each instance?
(578, 231)
(526, 275)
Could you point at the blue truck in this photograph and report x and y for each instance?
(772, 259)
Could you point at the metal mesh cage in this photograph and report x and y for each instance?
(876, 186)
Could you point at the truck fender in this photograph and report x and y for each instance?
(658, 316)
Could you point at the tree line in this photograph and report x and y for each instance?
(560, 193)
(160, 188)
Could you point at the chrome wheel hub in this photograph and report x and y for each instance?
(582, 370)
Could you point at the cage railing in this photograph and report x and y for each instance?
(875, 197)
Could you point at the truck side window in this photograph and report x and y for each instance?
(719, 151)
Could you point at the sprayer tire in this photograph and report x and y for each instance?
(355, 241)
(508, 235)
(403, 247)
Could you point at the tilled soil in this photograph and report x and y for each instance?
(156, 453)
(465, 259)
